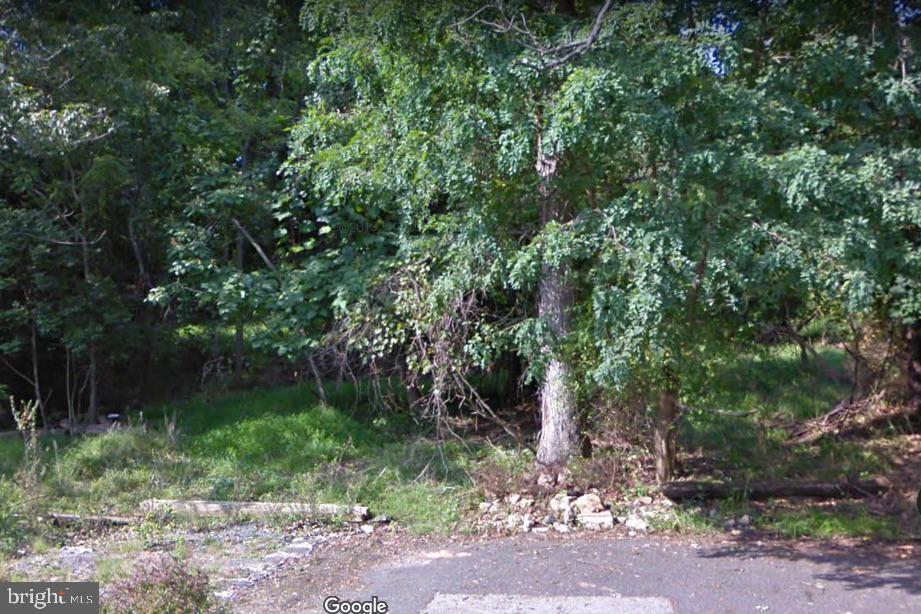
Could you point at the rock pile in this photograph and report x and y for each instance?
(567, 510)
(561, 512)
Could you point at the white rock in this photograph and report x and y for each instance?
(745, 520)
(560, 528)
(74, 550)
(256, 568)
(513, 499)
(281, 555)
(588, 504)
(560, 503)
(366, 529)
(596, 520)
(636, 523)
(525, 503)
(526, 523)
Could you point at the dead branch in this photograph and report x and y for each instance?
(679, 491)
(835, 421)
(72, 519)
(549, 57)
(255, 245)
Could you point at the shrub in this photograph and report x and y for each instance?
(161, 584)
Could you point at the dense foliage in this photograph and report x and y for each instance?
(614, 194)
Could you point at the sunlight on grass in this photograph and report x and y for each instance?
(776, 382)
(280, 444)
(826, 524)
(736, 417)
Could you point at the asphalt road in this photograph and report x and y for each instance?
(540, 575)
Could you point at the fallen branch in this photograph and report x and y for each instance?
(110, 521)
(679, 491)
(254, 508)
(837, 421)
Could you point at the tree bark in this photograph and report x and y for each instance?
(92, 409)
(321, 391)
(664, 436)
(238, 332)
(559, 431)
(913, 366)
(143, 276)
(35, 381)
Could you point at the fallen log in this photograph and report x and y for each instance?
(69, 519)
(254, 508)
(679, 491)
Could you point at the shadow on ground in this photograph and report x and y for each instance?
(857, 564)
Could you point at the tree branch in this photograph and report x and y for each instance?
(564, 52)
(255, 245)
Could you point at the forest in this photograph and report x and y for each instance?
(514, 244)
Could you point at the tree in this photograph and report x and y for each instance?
(461, 169)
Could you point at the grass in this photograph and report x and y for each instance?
(280, 444)
(734, 425)
(819, 520)
(283, 444)
(850, 521)
(735, 417)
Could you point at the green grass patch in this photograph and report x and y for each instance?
(280, 444)
(11, 453)
(283, 444)
(852, 521)
(735, 417)
(774, 382)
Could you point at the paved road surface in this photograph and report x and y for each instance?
(538, 575)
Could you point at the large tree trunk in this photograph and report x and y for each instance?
(664, 436)
(913, 366)
(559, 431)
